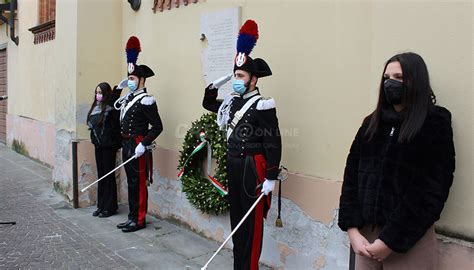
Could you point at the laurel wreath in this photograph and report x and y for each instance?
(199, 190)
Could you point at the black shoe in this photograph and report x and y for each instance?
(106, 213)
(96, 212)
(132, 227)
(124, 224)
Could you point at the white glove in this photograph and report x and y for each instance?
(139, 150)
(123, 84)
(221, 81)
(268, 186)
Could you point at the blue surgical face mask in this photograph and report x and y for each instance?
(132, 85)
(239, 86)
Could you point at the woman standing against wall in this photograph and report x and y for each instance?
(103, 122)
(398, 172)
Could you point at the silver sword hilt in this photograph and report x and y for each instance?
(151, 147)
(282, 176)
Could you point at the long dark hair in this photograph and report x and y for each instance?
(106, 91)
(419, 97)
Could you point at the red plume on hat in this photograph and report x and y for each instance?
(132, 49)
(246, 41)
(248, 36)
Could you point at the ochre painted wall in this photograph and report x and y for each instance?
(441, 32)
(32, 70)
(327, 59)
(326, 56)
(99, 53)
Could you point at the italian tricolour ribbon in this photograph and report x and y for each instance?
(202, 136)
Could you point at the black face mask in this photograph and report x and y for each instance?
(394, 91)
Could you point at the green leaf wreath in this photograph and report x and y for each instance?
(200, 192)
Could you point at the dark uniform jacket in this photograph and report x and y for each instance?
(139, 116)
(256, 133)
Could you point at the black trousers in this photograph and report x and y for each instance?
(136, 171)
(107, 188)
(243, 180)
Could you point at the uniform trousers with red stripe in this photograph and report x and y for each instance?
(136, 171)
(244, 177)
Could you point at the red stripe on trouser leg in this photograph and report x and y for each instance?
(143, 194)
(261, 165)
(258, 223)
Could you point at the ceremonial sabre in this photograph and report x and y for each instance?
(120, 166)
(150, 147)
(232, 233)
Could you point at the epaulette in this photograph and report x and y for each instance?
(148, 100)
(266, 104)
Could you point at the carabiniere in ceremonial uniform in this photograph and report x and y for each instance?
(140, 126)
(253, 146)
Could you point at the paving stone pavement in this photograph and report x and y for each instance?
(49, 234)
(42, 239)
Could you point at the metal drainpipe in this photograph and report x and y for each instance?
(13, 8)
(75, 182)
(352, 259)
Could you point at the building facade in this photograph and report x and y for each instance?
(327, 58)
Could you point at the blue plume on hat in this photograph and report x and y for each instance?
(248, 36)
(132, 49)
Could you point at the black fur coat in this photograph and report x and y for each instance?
(399, 186)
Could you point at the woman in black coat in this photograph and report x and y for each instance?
(398, 172)
(104, 125)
